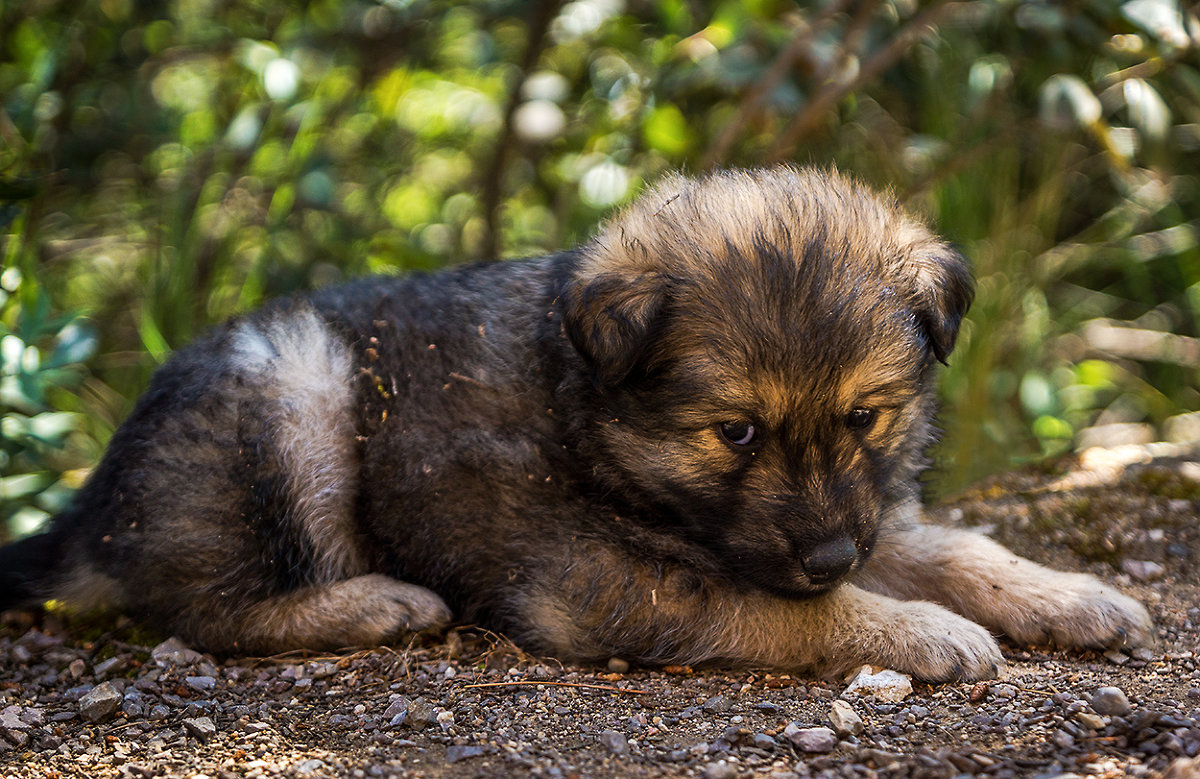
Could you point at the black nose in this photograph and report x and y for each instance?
(829, 561)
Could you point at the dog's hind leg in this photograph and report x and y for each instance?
(365, 610)
(224, 508)
(981, 580)
(301, 375)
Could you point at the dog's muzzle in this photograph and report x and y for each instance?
(830, 561)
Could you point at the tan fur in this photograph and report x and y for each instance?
(980, 579)
(693, 621)
(750, 209)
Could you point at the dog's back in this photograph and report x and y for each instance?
(228, 506)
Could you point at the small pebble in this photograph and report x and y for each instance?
(886, 685)
(200, 727)
(420, 715)
(397, 710)
(1143, 570)
(15, 725)
(1110, 701)
(445, 719)
(1116, 658)
(813, 739)
(717, 704)
(1089, 720)
(110, 666)
(719, 770)
(131, 703)
(1004, 691)
(614, 742)
(100, 703)
(618, 666)
(200, 683)
(457, 753)
(845, 719)
(16, 738)
(173, 652)
(11, 718)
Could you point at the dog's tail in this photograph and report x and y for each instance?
(28, 568)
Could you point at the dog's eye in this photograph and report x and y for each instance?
(860, 418)
(739, 433)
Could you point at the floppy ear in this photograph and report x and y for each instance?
(941, 294)
(610, 320)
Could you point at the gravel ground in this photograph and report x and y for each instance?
(98, 697)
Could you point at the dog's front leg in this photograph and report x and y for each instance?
(980, 579)
(606, 604)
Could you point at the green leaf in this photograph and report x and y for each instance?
(667, 130)
(76, 343)
(1065, 101)
(1147, 110)
(23, 485)
(152, 337)
(51, 426)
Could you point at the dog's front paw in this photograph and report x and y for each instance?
(936, 645)
(1073, 611)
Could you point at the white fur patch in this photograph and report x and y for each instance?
(305, 370)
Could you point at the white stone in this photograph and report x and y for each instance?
(886, 685)
(1143, 570)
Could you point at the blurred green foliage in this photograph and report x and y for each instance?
(165, 165)
(40, 356)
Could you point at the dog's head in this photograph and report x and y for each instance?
(763, 342)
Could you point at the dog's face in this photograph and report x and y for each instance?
(764, 342)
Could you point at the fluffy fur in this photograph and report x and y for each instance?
(694, 439)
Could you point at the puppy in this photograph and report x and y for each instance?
(695, 439)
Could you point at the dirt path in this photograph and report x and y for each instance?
(105, 700)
